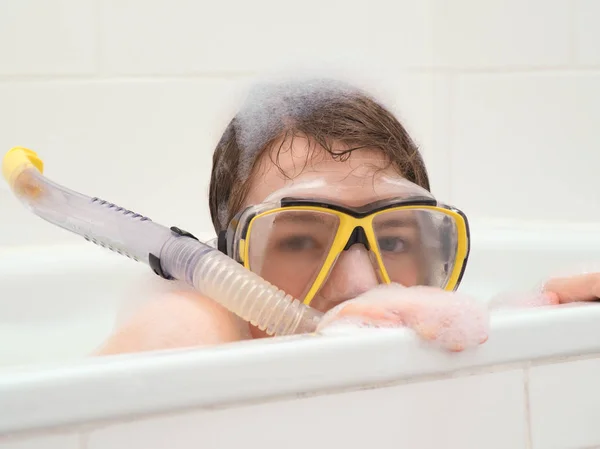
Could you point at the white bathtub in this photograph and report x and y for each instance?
(532, 385)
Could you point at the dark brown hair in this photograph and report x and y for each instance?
(325, 112)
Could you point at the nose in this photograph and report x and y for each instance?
(353, 274)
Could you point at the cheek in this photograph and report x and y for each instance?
(291, 278)
(411, 275)
(407, 270)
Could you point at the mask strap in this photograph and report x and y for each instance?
(222, 242)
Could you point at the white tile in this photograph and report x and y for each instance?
(565, 404)
(419, 101)
(40, 37)
(587, 15)
(410, 99)
(146, 146)
(437, 153)
(70, 441)
(155, 37)
(421, 104)
(500, 33)
(469, 412)
(525, 146)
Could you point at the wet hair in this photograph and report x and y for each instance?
(324, 111)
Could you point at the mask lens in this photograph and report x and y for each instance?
(417, 246)
(288, 248)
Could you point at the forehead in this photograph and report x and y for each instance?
(302, 168)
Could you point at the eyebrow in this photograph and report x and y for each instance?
(397, 223)
(300, 218)
(408, 222)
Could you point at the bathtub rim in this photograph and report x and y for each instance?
(123, 386)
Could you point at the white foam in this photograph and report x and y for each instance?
(270, 104)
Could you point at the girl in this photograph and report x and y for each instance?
(319, 189)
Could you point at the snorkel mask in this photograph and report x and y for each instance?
(295, 237)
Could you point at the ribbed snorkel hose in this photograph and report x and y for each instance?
(170, 252)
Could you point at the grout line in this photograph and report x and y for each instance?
(37, 433)
(529, 441)
(505, 70)
(84, 438)
(234, 75)
(555, 360)
(148, 77)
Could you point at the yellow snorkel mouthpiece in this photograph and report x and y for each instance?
(170, 252)
(17, 160)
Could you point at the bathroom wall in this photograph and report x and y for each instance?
(125, 99)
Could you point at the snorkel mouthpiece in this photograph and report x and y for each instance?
(170, 252)
(16, 161)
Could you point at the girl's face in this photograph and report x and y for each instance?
(354, 272)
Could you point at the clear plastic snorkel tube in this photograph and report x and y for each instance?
(170, 252)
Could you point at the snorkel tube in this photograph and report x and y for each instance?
(171, 252)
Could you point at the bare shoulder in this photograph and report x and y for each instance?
(176, 319)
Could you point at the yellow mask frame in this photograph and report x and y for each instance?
(235, 242)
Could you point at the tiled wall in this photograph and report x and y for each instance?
(126, 99)
(541, 406)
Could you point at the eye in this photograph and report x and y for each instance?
(392, 244)
(297, 243)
